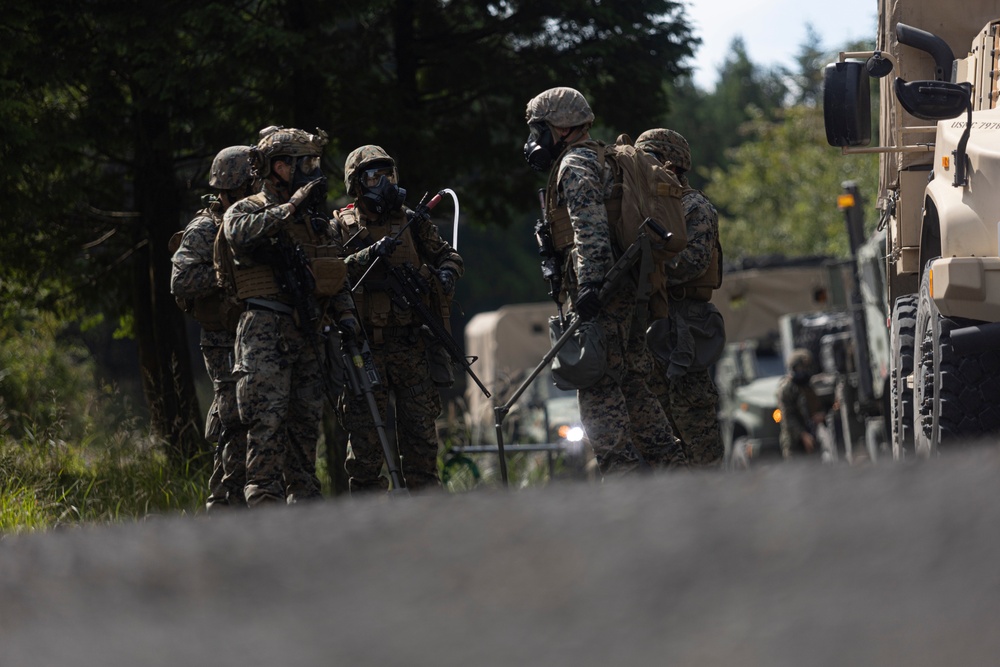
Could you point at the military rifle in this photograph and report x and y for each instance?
(362, 378)
(612, 281)
(551, 258)
(407, 289)
(295, 278)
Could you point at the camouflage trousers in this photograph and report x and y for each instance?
(691, 401)
(624, 422)
(224, 428)
(401, 361)
(280, 398)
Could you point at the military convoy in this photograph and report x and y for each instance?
(939, 206)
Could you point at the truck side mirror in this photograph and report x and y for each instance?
(933, 100)
(847, 111)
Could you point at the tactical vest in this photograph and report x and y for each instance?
(208, 310)
(371, 298)
(700, 287)
(258, 281)
(558, 216)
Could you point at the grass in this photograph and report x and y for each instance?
(51, 483)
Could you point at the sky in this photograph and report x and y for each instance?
(773, 30)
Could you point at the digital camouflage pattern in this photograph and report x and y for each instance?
(702, 224)
(666, 146)
(229, 471)
(231, 168)
(562, 107)
(280, 399)
(691, 401)
(686, 390)
(582, 188)
(397, 345)
(279, 391)
(358, 158)
(278, 140)
(193, 277)
(622, 419)
(401, 361)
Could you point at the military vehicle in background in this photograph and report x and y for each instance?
(770, 306)
(939, 205)
(508, 343)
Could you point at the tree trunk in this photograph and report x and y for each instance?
(164, 358)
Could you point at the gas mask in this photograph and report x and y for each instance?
(541, 149)
(306, 170)
(379, 190)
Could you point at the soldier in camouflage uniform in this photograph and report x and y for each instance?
(624, 422)
(687, 342)
(370, 229)
(801, 410)
(280, 350)
(193, 282)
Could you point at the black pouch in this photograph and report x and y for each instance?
(582, 360)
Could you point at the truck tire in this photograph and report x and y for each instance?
(956, 395)
(903, 323)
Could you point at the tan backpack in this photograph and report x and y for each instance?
(645, 189)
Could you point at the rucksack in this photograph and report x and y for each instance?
(648, 190)
(643, 189)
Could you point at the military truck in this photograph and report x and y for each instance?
(938, 201)
(755, 297)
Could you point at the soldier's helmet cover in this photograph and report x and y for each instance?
(231, 168)
(800, 359)
(277, 140)
(561, 107)
(366, 157)
(666, 146)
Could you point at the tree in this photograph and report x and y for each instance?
(114, 112)
(778, 195)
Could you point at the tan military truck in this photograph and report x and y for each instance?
(939, 203)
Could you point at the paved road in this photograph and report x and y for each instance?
(784, 565)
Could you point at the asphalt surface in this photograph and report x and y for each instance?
(797, 564)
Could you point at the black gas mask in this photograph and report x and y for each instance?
(306, 170)
(380, 192)
(541, 149)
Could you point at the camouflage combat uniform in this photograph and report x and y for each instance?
(280, 389)
(623, 421)
(797, 402)
(694, 330)
(193, 282)
(399, 347)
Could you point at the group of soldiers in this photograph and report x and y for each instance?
(280, 286)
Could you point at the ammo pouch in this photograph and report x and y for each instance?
(330, 274)
(582, 360)
(439, 363)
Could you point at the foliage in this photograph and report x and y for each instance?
(778, 194)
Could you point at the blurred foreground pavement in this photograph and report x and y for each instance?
(787, 565)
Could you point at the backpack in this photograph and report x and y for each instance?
(647, 190)
(643, 189)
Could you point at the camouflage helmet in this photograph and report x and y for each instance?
(361, 157)
(561, 107)
(800, 358)
(231, 168)
(666, 146)
(278, 140)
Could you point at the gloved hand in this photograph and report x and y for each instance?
(447, 279)
(301, 196)
(385, 246)
(350, 330)
(587, 302)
